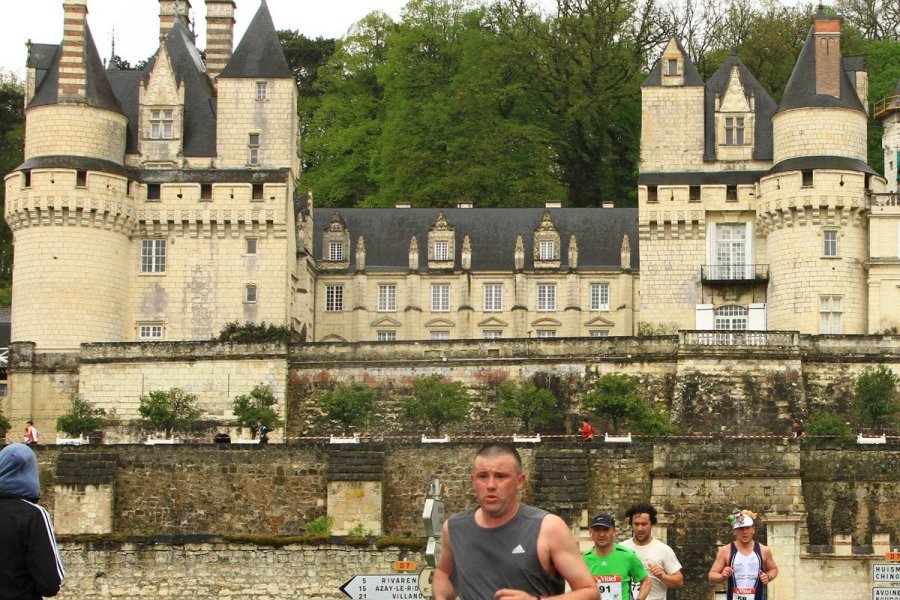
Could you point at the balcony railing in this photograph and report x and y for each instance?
(738, 338)
(890, 199)
(732, 273)
(886, 104)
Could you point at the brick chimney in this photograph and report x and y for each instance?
(167, 11)
(72, 86)
(828, 54)
(219, 35)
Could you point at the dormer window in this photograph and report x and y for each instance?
(441, 244)
(547, 250)
(441, 251)
(734, 131)
(335, 251)
(162, 124)
(262, 90)
(672, 66)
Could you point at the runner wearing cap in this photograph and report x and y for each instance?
(614, 567)
(746, 565)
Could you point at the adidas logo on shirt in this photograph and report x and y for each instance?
(518, 550)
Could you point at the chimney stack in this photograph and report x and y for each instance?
(828, 54)
(72, 86)
(219, 35)
(167, 12)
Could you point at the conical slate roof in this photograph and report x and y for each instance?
(259, 53)
(801, 88)
(99, 92)
(764, 109)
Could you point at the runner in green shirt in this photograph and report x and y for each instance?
(614, 566)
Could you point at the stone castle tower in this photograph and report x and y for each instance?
(135, 182)
(754, 216)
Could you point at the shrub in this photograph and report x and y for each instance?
(254, 332)
(319, 526)
(4, 424)
(169, 409)
(875, 400)
(81, 419)
(534, 406)
(615, 398)
(827, 424)
(350, 405)
(256, 406)
(645, 329)
(436, 402)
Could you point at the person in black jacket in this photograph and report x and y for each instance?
(30, 567)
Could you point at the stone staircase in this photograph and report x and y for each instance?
(561, 484)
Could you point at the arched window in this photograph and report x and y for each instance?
(731, 318)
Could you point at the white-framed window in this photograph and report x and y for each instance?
(250, 293)
(334, 298)
(153, 256)
(599, 332)
(547, 250)
(387, 335)
(335, 251)
(493, 334)
(546, 296)
(830, 314)
(731, 318)
(262, 90)
(734, 131)
(731, 251)
(162, 124)
(599, 296)
(493, 297)
(253, 147)
(250, 247)
(387, 297)
(830, 236)
(440, 297)
(442, 251)
(546, 333)
(441, 334)
(150, 331)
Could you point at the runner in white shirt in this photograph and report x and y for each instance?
(658, 558)
(745, 566)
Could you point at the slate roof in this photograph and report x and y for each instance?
(259, 53)
(99, 92)
(822, 162)
(691, 75)
(801, 88)
(492, 233)
(764, 104)
(700, 178)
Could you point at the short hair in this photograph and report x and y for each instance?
(498, 449)
(641, 508)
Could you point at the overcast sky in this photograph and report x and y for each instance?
(136, 23)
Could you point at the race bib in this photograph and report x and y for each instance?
(635, 589)
(610, 586)
(743, 593)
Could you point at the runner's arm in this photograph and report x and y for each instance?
(441, 587)
(770, 569)
(720, 570)
(567, 560)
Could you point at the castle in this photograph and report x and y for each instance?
(159, 205)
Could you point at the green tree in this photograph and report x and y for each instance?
(169, 409)
(12, 147)
(827, 424)
(615, 398)
(82, 419)
(256, 406)
(4, 424)
(875, 399)
(350, 405)
(436, 402)
(534, 406)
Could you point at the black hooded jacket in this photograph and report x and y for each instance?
(30, 567)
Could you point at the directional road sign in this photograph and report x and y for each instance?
(383, 587)
(886, 572)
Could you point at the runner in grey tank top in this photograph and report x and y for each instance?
(488, 559)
